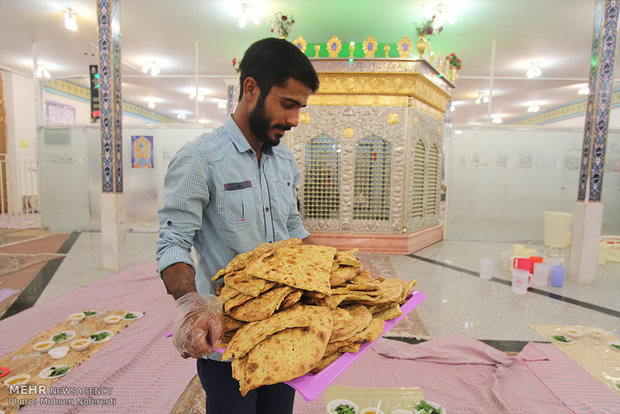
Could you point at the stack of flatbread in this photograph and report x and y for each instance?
(291, 308)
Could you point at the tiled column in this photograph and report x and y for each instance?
(588, 212)
(112, 200)
(232, 95)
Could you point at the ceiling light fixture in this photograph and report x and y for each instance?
(533, 108)
(70, 20)
(248, 12)
(181, 115)
(584, 90)
(151, 67)
(452, 108)
(482, 97)
(222, 104)
(198, 95)
(42, 72)
(151, 104)
(533, 71)
(496, 119)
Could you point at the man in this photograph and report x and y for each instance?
(225, 193)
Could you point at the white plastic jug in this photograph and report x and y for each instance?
(541, 274)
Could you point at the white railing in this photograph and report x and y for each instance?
(19, 192)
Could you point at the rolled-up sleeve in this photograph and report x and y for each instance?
(294, 224)
(185, 196)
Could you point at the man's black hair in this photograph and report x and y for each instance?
(272, 62)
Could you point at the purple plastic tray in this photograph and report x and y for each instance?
(311, 385)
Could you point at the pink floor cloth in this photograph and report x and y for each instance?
(460, 373)
(145, 371)
(565, 378)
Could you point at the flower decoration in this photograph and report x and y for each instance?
(235, 65)
(427, 29)
(282, 24)
(454, 61)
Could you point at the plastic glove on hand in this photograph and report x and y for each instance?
(197, 324)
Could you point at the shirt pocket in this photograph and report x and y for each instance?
(285, 196)
(239, 206)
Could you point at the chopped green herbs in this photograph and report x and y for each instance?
(426, 408)
(60, 337)
(616, 346)
(55, 372)
(130, 316)
(90, 313)
(561, 338)
(100, 336)
(345, 409)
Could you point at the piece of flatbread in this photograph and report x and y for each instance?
(252, 333)
(306, 267)
(262, 306)
(287, 354)
(243, 259)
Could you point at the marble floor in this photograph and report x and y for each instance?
(458, 299)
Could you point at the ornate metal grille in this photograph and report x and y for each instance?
(417, 180)
(322, 178)
(371, 192)
(432, 176)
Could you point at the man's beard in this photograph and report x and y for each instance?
(259, 123)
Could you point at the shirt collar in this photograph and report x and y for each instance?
(235, 135)
(239, 140)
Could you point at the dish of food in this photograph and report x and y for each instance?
(17, 379)
(76, 316)
(63, 336)
(561, 339)
(132, 315)
(428, 407)
(113, 319)
(342, 406)
(55, 371)
(573, 333)
(371, 410)
(614, 345)
(44, 346)
(90, 313)
(80, 344)
(101, 336)
(598, 334)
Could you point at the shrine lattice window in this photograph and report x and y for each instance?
(322, 178)
(371, 193)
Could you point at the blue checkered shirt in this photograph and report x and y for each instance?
(218, 199)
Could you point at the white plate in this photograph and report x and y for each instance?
(58, 352)
(48, 345)
(81, 347)
(137, 314)
(570, 340)
(76, 316)
(616, 343)
(333, 404)
(113, 319)
(372, 410)
(25, 377)
(70, 334)
(45, 374)
(106, 339)
(573, 333)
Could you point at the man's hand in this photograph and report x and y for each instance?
(197, 323)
